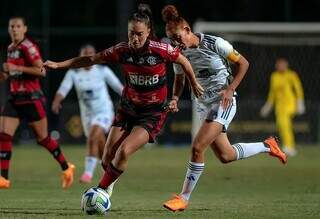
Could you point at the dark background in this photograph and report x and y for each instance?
(61, 27)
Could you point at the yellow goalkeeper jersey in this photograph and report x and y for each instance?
(285, 90)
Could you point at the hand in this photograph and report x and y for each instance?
(265, 110)
(173, 106)
(50, 65)
(197, 89)
(301, 108)
(227, 97)
(56, 107)
(3, 76)
(9, 67)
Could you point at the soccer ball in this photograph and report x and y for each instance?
(95, 201)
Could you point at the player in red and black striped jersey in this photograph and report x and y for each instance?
(142, 110)
(26, 101)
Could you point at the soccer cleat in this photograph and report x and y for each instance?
(4, 183)
(85, 178)
(67, 176)
(275, 150)
(177, 203)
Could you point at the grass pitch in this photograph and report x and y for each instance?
(260, 187)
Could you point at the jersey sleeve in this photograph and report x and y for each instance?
(113, 53)
(112, 80)
(66, 84)
(297, 86)
(172, 53)
(32, 53)
(226, 50)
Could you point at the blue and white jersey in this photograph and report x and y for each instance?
(210, 65)
(91, 89)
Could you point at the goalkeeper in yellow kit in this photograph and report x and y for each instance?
(286, 96)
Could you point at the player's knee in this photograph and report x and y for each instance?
(123, 152)
(225, 158)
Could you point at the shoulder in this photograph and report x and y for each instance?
(158, 45)
(163, 48)
(28, 43)
(121, 46)
(209, 39)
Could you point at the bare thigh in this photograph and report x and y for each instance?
(96, 141)
(115, 138)
(9, 125)
(223, 149)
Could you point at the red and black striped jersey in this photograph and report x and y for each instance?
(145, 71)
(23, 54)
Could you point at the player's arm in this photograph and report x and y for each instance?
(35, 69)
(112, 80)
(226, 50)
(178, 86)
(77, 62)
(187, 68)
(298, 90)
(3, 76)
(62, 92)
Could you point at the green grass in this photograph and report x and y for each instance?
(259, 187)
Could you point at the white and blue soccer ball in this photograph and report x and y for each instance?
(95, 201)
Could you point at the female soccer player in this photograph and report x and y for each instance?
(286, 95)
(210, 57)
(96, 106)
(23, 69)
(142, 109)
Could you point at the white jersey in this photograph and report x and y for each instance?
(91, 89)
(210, 64)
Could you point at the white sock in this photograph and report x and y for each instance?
(244, 150)
(193, 174)
(90, 165)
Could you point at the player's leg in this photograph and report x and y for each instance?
(228, 153)
(117, 141)
(95, 141)
(36, 115)
(284, 123)
(8, 126)
(9, 121)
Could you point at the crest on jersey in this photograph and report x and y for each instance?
(32, 51)
(151, 60)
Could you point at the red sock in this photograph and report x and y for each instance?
(53, 147)
(110, 175)
(5, 153)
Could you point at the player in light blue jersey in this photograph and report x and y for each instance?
(96, 107)
(210, 57)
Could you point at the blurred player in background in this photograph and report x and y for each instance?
(26, 101)
(143, 107)
(287, 99)
(96, 106)
(210, 57)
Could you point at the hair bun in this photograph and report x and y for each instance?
(145, 9)
(169, 13)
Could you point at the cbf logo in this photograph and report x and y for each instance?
(136, 79)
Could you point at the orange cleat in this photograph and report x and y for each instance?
(4, 183)
(177, 203)
(275, 150)
(67, 176)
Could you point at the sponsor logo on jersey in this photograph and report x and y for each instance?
(14, 54)
(137, 79)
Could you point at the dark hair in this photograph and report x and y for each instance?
(20, 18)
(144, 15)
(170, 15)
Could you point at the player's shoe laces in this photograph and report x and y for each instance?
(85, 178)
(275, 150)
(177, 203)
(67, 176)
(4, 183)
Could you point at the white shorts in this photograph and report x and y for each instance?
(104, 120)
(214, 112)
